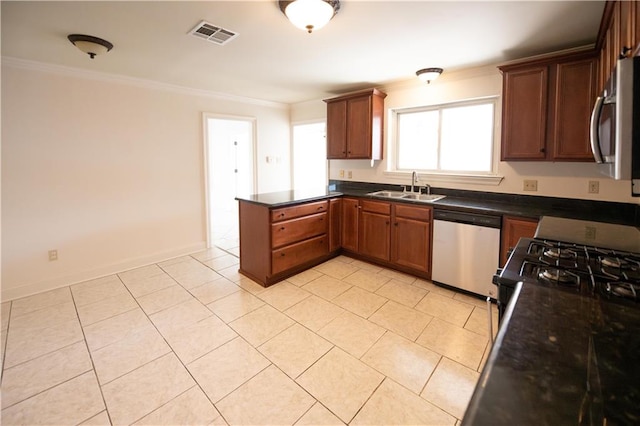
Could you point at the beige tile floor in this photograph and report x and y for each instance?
(191, 341)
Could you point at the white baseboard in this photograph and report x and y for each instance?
(78, 277)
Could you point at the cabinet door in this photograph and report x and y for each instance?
(350, 224)
(411, 240)
(374, 235)
(574, 97)
(337, 129)
(524, 115)
(359, 127)
(514, 228)
(335, 219)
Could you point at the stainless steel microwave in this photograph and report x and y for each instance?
(615, 124)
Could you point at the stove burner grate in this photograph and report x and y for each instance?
(615, 262)
(559, 253)
(623, 289)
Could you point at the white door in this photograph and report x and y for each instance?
(230, 173)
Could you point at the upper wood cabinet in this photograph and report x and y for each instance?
(354, 125)
(619, 29)
(546, 108)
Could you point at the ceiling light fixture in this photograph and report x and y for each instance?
(309, 14)
(429, 74)
(90, 45)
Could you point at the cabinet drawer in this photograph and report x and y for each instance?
(291, 231)
(299, 253)
(286, 213)
(410, 212)
(375, 207)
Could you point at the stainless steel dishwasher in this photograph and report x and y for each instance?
(466, 249)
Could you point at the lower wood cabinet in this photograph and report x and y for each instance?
(350, 214)
(335, 222)
(411, 237)
(373, 229)
(277, 243)
(514, 228)
(396, 235)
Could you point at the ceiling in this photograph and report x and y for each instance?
(367, 44)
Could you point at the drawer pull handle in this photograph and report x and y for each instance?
(282, 228)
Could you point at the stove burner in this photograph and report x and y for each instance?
(559, 276)
(558, 253)
(615, 262)
(624, 290)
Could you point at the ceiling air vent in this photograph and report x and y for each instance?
(213, 33)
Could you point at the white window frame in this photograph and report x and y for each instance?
(487, 178)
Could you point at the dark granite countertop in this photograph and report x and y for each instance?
(550, 345)
(285, 198)
(471, 201)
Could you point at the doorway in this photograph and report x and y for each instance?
(230, 172)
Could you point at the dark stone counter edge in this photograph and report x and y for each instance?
(472, 201)
(474, 405)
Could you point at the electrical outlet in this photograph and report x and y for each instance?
(342, 173)
(594, 187)
(530, 185)
(53, 255)
(349, 174)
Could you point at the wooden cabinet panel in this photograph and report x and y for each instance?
(413, 212)
(350, 213)
(298, 254)
(514, 228)
(294, 230)
(574, 94)
(335, 220)
(286, 213)
(375, 207)
(547, 104)
(337, 129)
(359, 127)
(354, 125)
(411, 241)
(374, 235)
(524, 114)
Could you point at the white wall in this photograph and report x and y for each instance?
(569, 180)
(109, 171)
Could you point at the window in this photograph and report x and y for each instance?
(309, 155)
(446, 139)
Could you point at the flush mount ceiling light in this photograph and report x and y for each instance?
(429, 74)
(309, 14)
(90, 45)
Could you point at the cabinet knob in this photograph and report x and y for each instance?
(542, 149)
(387, 222)
(396, 224)
(281, 254)
(282, 228)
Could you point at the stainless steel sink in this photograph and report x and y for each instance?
(429, 198)
(388, 194)
(425, 198)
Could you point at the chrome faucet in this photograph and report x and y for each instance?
(428, 188)
(414, 180)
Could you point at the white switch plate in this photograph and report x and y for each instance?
(53, 255)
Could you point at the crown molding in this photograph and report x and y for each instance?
(132, 81)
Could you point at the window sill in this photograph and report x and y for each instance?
(493, 180)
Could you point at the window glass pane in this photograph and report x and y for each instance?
(418, 140)
(467, 138)
(309, 156)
